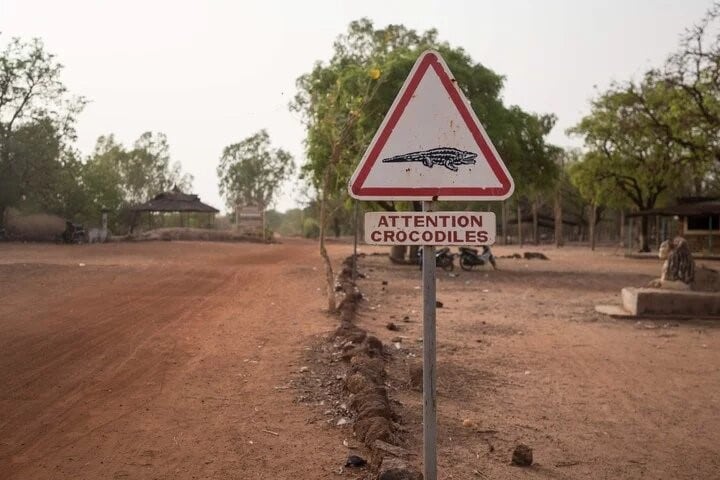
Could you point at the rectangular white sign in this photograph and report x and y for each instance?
(430, 228)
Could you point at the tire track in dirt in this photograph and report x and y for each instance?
(146, 376)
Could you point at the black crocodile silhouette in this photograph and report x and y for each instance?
(450, 158)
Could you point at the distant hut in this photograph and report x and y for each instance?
(175, 209)
(697, 219)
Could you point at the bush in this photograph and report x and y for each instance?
(38, 227)
(311, 228)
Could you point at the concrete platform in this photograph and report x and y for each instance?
(653, 301)
(615, 311)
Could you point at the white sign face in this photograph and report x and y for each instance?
(430, 228)
(431, 145)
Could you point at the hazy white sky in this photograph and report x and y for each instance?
(210, 73)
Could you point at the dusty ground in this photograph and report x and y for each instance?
(174, 360)
(163, 360)
(524, 359)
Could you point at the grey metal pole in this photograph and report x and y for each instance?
(429, 370)
(355, 242)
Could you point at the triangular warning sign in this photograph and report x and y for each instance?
(431, 145)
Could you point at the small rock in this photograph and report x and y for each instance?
(355, 461)
(391, 326)
(406, 319)
(468, 423)
(344, 421)
(304, 369)
(392, 468)
(438, 304)
(522, 456)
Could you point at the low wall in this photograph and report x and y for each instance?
(649, 301)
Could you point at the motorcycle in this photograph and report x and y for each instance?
(74, 233)
(471, 258)
(443, 259)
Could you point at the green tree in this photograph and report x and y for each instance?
(252, 172)
(343, 102)
(684, 101)
(595, 187)
(114, 177)
(349, 95)
(102, 177)
(37, 118)
(146, 169)
(532, 161)
(624, 148)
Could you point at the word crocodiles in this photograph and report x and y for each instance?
(450, 158)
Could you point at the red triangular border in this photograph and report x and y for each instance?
(428, 60)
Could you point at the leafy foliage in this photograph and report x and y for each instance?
(37, 118)
(252, 171)
(358, 84)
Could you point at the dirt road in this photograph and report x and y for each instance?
(159, 361)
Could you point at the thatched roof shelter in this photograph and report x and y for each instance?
(175, 201)
(174, 208)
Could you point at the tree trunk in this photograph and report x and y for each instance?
(329, 276)
(559, 240)
(622, 228)
(644, 245)
(519, 224)
(593, 216)
(536, 232)
(397, 253)
(337, 228)
(504, 222)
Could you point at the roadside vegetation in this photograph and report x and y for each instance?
(646, 141)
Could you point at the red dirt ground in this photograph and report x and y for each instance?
(523, 358)
(159, 361)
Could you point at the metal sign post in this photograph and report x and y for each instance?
(429, 371)
(355, 241)
(430, 146)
